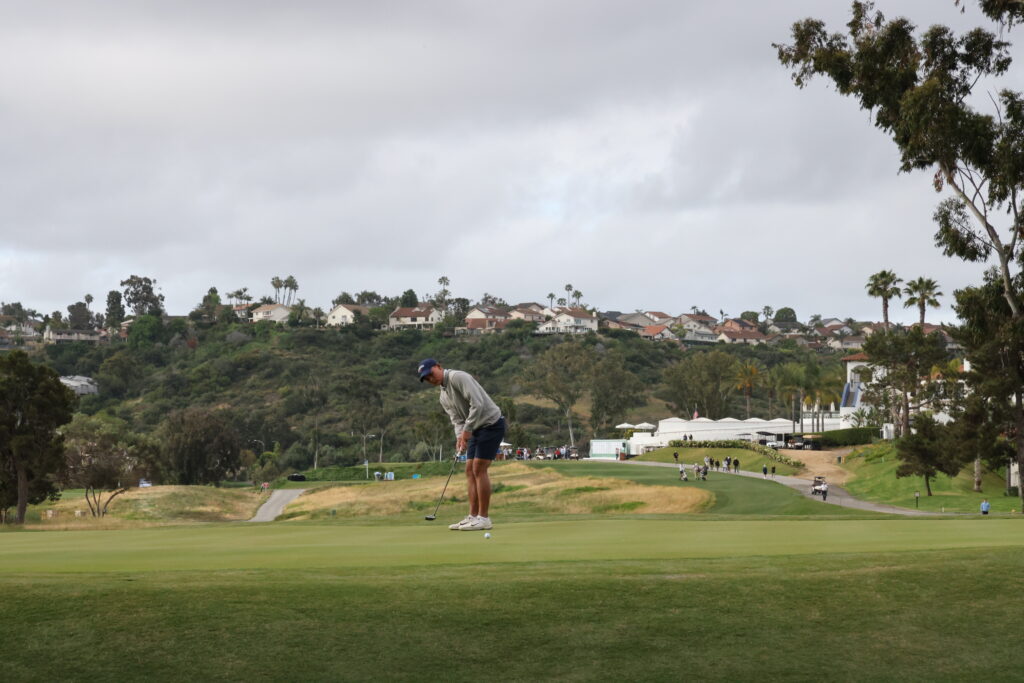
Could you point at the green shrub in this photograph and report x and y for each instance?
(855, 436)
(769, 453)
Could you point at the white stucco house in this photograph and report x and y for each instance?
(277, 313)
(422, 317)
(569, 321)
(345, 314)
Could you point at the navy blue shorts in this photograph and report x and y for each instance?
(486, 441)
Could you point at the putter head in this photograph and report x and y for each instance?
(430, 518)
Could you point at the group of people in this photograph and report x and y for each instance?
(710, 464)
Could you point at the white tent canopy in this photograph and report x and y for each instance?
(644, 425)
(504, 443)
(624, 425)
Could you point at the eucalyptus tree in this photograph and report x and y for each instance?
(560, 375)
(923, 293)
(884, 285)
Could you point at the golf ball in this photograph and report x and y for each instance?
(487, 535)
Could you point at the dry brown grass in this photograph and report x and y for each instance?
(516, 485)
(152, 506)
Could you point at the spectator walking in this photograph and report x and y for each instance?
(764, 470)
(773, 471)
(736, 465)
(985, 506)
(824, 492)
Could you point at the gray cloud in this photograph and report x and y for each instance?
(654, 154)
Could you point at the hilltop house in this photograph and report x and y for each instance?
(569, 321)
(696, 331)
(527, 312)
(419, 317)
(345, 314)
(752, 337)
(277, 313)
(52, 336)
(658, 333)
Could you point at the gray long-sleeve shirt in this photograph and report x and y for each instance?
(467, 404)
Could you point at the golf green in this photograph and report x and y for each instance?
(310, 545)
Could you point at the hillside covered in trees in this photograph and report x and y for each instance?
(304, 397)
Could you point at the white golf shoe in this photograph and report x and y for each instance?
(477, 524)
(458, 525)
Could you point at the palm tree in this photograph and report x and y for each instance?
(551, 300)
(768, 312)
(568, 292)
(749, 376)
(576, 296)
(292, 285)
(884, 285)
(561, 302)
(814, 321)
(922, 292)
(277, 283)
(318, 315)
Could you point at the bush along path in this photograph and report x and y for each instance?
(836, 495)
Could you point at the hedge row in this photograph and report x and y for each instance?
(769, 453)
(855, 436)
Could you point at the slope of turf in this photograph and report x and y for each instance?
(874, 470)
(600, 600)
(734, 495)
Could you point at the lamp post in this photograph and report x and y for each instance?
(917, 499)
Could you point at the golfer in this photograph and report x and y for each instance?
(479, 429)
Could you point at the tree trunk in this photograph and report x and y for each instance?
(22, 491)
(568, 420)
(977, 475)
(927, 485)
(885, 312)
(800, 407)
(905, 427)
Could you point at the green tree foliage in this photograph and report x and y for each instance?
(408, 299)
(343, 298)
(17, 311)
(902, 362)
(115, 310)
(146, 331)
(141, 296)
(104, 457)
(923, 293)
(79, 316)
(198, 446)
(33, 406)
(785, 315)
(614, 390)
(560, 375)
(703, 382)
(750, 316)
(207, 309)
(993, 339)
(884, 285)
(926, 452)
(750, 375)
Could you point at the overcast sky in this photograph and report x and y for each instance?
(653, 154)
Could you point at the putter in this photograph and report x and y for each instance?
(432, 517)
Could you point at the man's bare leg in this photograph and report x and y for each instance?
(483, 485)
(471, 488)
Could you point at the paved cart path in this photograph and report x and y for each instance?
(275, 505)
(836, 495)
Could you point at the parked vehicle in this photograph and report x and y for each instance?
(818, 486)
(296, 476)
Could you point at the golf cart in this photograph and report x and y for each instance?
(818, 485)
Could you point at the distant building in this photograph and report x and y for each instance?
(277, 313)
(345, 314)
(422, 317)
(82, 386)
(52, 336)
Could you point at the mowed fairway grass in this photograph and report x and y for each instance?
(589, 600)
(719, 596)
